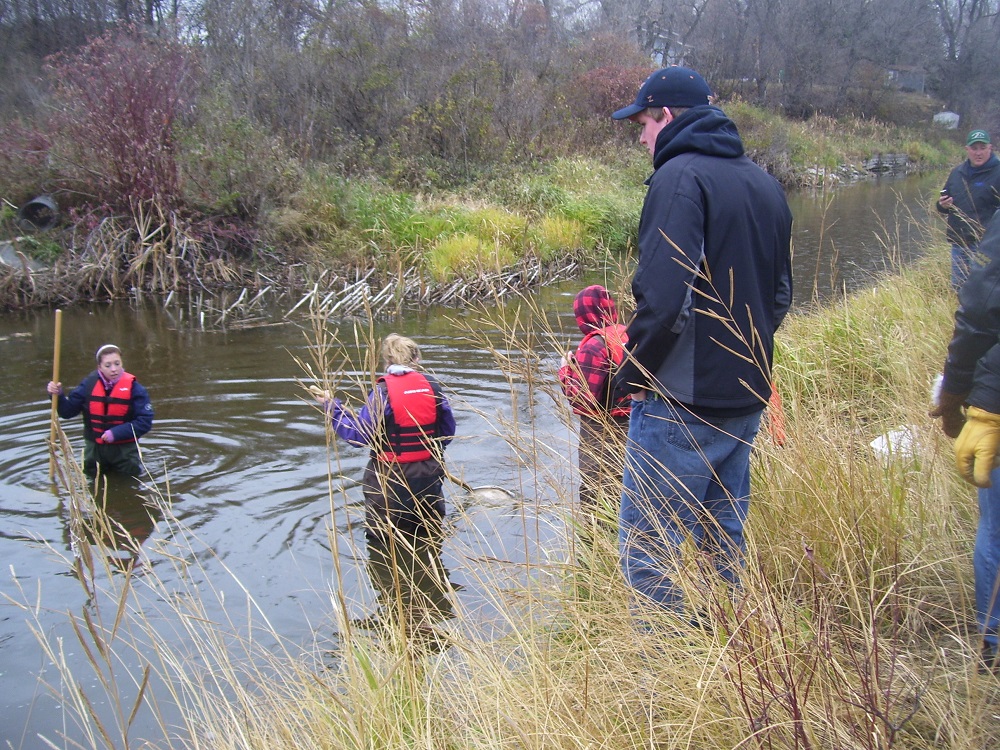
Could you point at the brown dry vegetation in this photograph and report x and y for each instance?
(305, 147)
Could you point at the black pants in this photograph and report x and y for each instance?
(404, 513)
(122, 458)
(601, 460)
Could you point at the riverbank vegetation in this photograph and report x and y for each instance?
(179, 163)
(854, 630)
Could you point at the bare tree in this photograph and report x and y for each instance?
(967, 74)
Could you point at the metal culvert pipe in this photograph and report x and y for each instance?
(38, 213)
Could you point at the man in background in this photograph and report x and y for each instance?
(970, 197)
(712, 285)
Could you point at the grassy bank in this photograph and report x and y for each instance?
(854, 630)
(251, 228)
(584, 204)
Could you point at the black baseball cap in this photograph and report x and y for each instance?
(675, 86)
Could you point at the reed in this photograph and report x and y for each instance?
(853, 629)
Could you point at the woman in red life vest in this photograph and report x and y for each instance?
(406, 422)
(116, 413)
(585, 377)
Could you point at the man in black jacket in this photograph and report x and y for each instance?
(712, 285)
(972, 379)
(970, 197)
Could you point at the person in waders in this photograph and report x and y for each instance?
(585, 378)
(116, 412)
(407, 422)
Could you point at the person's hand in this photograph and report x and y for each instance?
(108, 436)
(949, 409)
(319, 394)
(54, 389)
(325, 398)
(946, 202)
(567, 359)
(977, 445)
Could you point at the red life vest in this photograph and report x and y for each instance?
(615, 337)
(106, 409)
(412, 426)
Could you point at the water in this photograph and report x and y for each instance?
(242, 453)
(846, 239)
(244, 450)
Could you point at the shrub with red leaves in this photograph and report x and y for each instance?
(610, 88)
(117, 101)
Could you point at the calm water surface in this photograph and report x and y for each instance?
(272, 512)
(847, 238)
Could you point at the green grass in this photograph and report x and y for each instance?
(363, 223)
(573, 205)
(791, 148)
(555, 237)
(312, 218)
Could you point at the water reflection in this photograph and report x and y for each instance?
(845, 240)
(118, 519)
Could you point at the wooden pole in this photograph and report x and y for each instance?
(55, 396)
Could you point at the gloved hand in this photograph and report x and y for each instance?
(949, 408)
(977, 445)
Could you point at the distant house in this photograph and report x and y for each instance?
(907, 78)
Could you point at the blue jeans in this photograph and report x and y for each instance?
(986, 561)
(963, 261)
(685, 477)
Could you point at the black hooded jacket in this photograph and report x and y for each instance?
(973, 363)
(714, 280)
(976, 193)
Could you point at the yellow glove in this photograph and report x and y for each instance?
(977, 446)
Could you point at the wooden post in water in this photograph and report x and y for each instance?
(55, 396)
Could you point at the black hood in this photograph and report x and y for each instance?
(704, 130)
(989, 164)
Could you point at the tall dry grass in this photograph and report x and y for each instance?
(853, 629)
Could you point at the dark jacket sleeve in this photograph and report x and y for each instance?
(671, 242)
(783, 291)
(71, 405)
(446, 422)
(949, 186)
(973, 363)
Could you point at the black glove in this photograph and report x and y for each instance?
(949, 409)
(628, 378)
